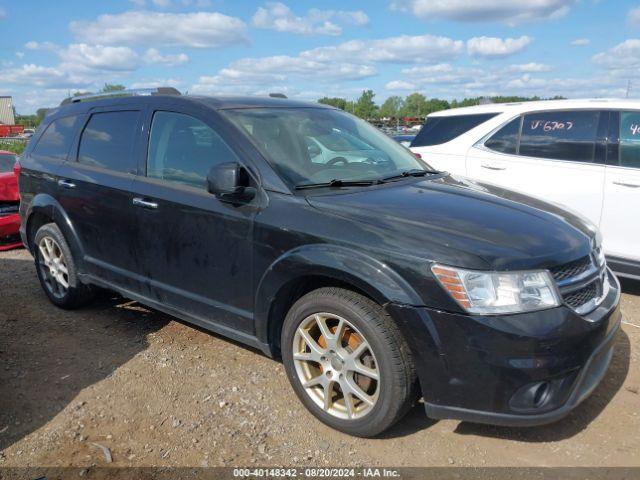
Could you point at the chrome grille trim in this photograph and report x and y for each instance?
(587, 287)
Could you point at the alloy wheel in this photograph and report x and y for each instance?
(336, 366)
(53, 267)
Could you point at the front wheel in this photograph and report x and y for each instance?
(347, 361)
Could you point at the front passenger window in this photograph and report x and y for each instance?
(630, 139)
(182, 149)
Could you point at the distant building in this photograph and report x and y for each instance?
(6, 111)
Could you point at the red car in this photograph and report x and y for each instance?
(9, 203)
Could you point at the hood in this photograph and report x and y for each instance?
(464, 223)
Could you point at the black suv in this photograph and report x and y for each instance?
(303, 231)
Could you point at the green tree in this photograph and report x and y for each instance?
(365, 107)
(340, 103)
(415, 105)
(112, 87)
(436, 104)
(392, 106)
(41, 113)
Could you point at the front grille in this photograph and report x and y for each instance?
(581, 282)
(580, 297)
(571, 269)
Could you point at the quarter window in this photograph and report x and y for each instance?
(439, 130)
(568, 135)
(630, 139)
(56, 140)
(182, 149)
(505, 140)
(108, 139)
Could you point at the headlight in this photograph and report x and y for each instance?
(490, 293)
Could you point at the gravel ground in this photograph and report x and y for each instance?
(117, 378)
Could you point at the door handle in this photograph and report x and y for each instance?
(140, 202)
(490, 166)
(66, 184)
(627, 184)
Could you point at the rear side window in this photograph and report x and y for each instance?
(439, 130)
(56, 140)
(182, 149)
(6, 163)
(629, 139)
(561, 135)
(505, 140)
(107, 141)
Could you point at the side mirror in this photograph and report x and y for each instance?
(230, 183)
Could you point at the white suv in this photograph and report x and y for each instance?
(584, 154)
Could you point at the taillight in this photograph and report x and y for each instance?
(417, 155)
(17, 168)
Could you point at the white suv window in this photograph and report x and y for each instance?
(505, 140)
(630, 139)
(560, 135)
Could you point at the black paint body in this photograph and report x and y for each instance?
(225, 266)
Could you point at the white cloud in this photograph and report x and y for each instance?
(624, 56)
(40, 46)
(580, 42)
(3, 13)
(99, 57)
(196, 30)
(154, 56)
(20, 54)
(400, 85)
(506, 11)
(278, 16)
(37, 75)
(353, 60)
(633, 17)
(162, 3)
(530, 68)
(401, 49)
(168, 82)
(496, 47)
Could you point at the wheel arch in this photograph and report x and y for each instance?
(307, 268)
(46, 209)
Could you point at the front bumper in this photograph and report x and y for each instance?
(9, 232)
(515, 370)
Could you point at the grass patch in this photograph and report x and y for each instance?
(13, 146)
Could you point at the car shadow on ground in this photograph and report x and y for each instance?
(578, 419)
(48, 355)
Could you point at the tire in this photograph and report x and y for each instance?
(385, 355)
(50, 242)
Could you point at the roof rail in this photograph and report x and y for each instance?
(121, 93)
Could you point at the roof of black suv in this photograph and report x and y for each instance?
(217, 102)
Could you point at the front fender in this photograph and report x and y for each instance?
(46, 205)
(367, 274)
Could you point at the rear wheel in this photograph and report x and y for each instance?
(347, 361)
(56, 269)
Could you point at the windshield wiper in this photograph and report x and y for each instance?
(335, 183)
(415, 172)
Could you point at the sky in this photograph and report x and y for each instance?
(309, 49)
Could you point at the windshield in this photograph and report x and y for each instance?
(6, 163)
(318, 145)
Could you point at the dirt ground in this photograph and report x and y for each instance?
(156, 392)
